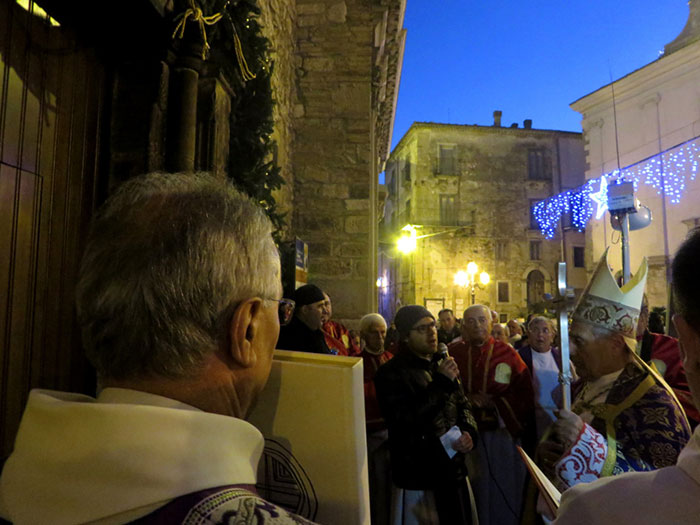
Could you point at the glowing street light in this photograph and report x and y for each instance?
(407, 242)
(468, 279)
(462, 278)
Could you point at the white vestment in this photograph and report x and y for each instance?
(78, 459)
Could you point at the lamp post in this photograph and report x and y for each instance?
(468, 279)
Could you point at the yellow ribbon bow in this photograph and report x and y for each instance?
(194, 13)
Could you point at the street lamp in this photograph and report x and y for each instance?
(407, 242)
(468, 279)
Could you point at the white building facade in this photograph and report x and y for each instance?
(657, 109)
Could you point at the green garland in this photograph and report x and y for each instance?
(252, 159)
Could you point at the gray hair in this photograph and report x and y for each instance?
(542, 319)
(168, 259)
(486, 309)
(370, 320)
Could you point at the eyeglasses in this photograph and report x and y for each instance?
(425, 328)
(285, 310)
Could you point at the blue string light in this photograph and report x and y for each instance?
(668, 171)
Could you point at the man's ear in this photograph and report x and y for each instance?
(243, 329)
(689, 341)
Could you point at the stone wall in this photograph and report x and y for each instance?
(657, 289)
(333, 169)
(335, 78)
(278, 21)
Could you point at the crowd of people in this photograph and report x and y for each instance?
(448, 400)
(181, 325)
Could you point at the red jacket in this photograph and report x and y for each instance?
(373, 415)
(496, 369)
(338, 338)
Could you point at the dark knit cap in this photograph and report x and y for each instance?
(408, 316)
(308, 294)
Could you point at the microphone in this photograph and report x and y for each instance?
(444, 353)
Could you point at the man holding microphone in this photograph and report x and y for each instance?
(430, 424)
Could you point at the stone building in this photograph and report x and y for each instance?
(348, 56)
(652, 117)
(469, 189)
(88, 101)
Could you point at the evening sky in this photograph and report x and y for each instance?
(529, 58)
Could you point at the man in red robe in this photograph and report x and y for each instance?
(499, 386)
(373, 332)
(338, 337)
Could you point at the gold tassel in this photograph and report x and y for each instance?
(246, 73)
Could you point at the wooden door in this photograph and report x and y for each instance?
(51, 92)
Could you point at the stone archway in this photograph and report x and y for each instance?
(535, 289)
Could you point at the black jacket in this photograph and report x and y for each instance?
(447, 337)
(297, 336)
(419, 405)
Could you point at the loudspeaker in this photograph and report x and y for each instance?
(641, 219)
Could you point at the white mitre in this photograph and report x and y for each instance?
(604, 304)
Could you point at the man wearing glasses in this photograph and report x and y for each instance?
(178, 300)
(430, 424)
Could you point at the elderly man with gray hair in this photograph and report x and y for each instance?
(544, 362)
(178, 299)
(372, 334)
(670, 494)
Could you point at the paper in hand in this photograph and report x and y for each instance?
(450, 437)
